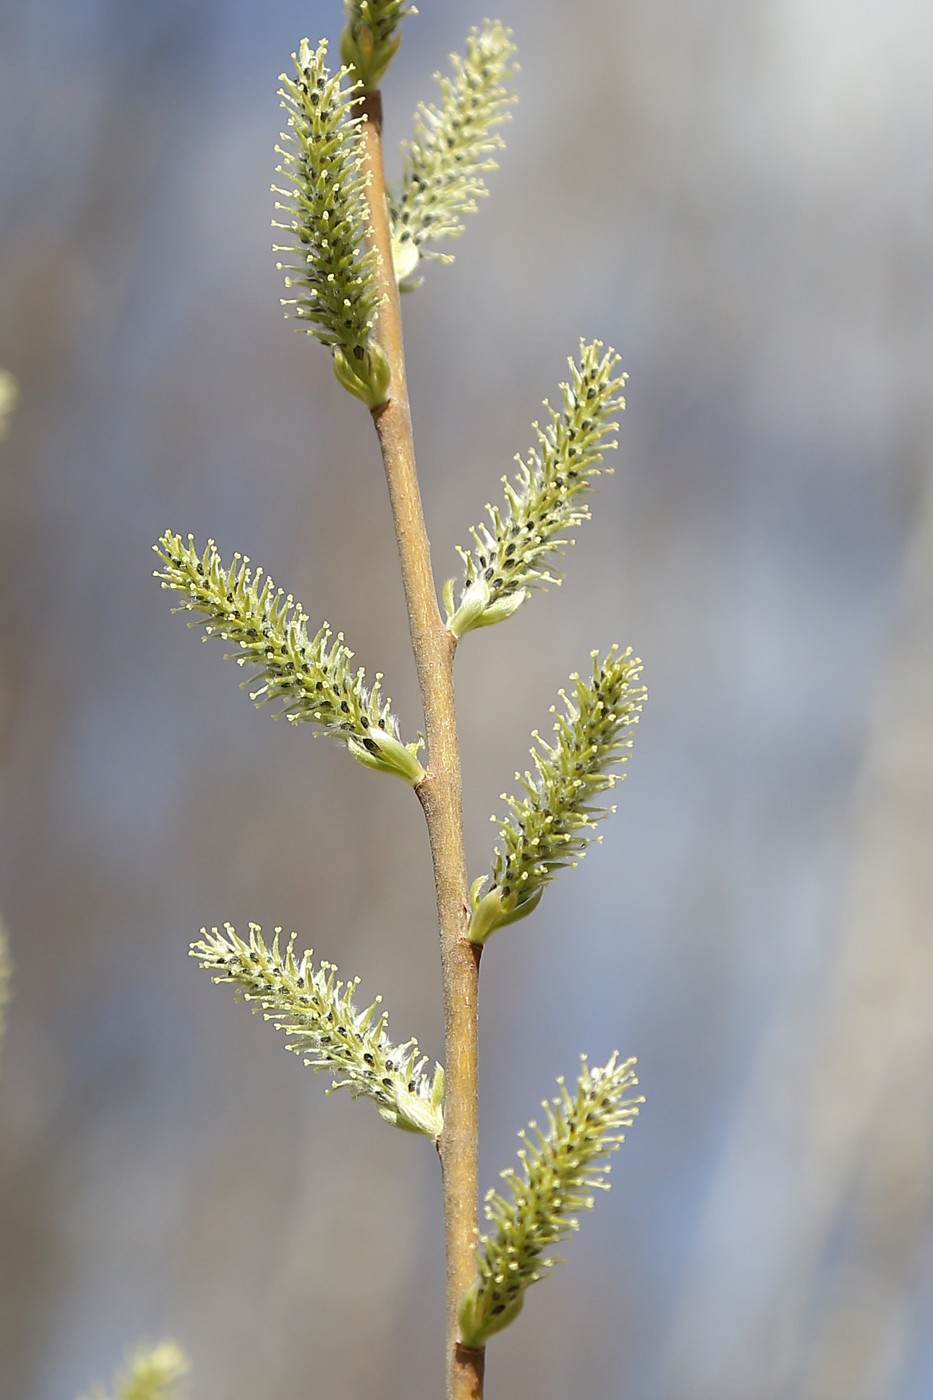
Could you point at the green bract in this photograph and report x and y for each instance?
(369, 42)
(552, 825)
(330, 262)
(313, 676)
(560, 1167)
(317, 1014)
(514, 553)
(453, 148)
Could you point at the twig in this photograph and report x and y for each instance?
(439, 793)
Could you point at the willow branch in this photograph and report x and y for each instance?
(439, 792)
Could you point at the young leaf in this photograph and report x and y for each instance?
(369, 42)
(560, 1168)
(454, 146)
(547, 498)
(330, 261)
(551, 826)
(151, 1373)
(317, 1014)
(312, 675)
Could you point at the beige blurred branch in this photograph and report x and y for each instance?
(6, 969)
(9, 395)
(840, 1092)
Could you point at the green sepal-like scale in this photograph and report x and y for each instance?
(369, 42)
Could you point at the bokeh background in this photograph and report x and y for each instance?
(738, 198)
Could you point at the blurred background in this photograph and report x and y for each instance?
(737, 197)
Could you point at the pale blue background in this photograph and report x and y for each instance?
(738, 198)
